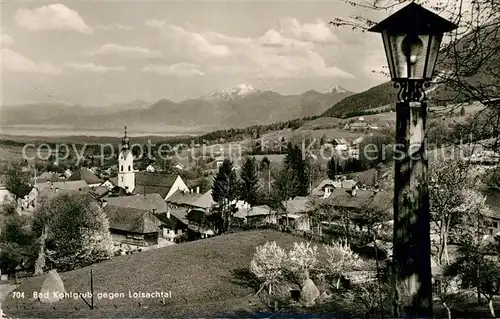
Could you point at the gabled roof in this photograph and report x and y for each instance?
(132, 220)
(48, 177)
(183, 198)
(148, 202)
(205, 201)
(100, 191)
(348, 184)
(85, 174)
(62, 185)
(180, 213)
(318, 190)
(343, 198)
(47, 188)
(297, 206)
(151, 183)
(259, 211)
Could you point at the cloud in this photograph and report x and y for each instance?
(94, 68)
(5, 39)
(152, 23)
(125, 51)
(52, 17)
(318, 32)
(194, 40)
(272, 55)
(115, 26)
(180, 69)
(265, 65)
(14, 61)
(273, 38)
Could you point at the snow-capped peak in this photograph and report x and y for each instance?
(336, 89)
(237, 92)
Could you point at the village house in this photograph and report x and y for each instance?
(296, 214)
(357, 126)
(50, 190)
(182, 203)
(87, 175)
(49, 177)
(158, 183)
(133, 228)
(327, 186)
(258, 216)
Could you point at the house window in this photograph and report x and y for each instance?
(129, 168)
(121, 168)
(122, 178)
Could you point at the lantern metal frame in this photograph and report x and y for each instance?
(411, 73)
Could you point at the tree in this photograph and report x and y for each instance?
(283, 189)
(225, 190)
(298, 168)
(249, 181)
(321, 210)
(301, 259)
(77, 231)
(450, 181)
(17, 182)
(265, 163)
(10, 257)
(16, 243)
(475, 269)
(341, 259)
(332, 169)
(267, 264)
(204, 185)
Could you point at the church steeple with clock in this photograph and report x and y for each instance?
(126, 174)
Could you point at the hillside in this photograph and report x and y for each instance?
(204, 278)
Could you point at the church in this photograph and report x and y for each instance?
(143, 183)
(126, 173)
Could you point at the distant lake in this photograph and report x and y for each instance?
(65, 130)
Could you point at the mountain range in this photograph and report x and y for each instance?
(236, 107)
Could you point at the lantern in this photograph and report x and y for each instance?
(412, 37)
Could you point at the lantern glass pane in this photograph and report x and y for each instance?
(388, 53)
(433, 54)
(417, 68)
(398, 56)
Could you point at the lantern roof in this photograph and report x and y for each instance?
(414, 18)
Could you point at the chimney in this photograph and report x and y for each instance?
(168, 214)
(57, 189)
(51, 186)
(197, 189)
(354, 191)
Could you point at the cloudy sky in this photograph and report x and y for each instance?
(107, 52)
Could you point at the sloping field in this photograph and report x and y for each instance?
(201, 276)
(322, 122)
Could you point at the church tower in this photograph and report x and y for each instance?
(126, 174)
